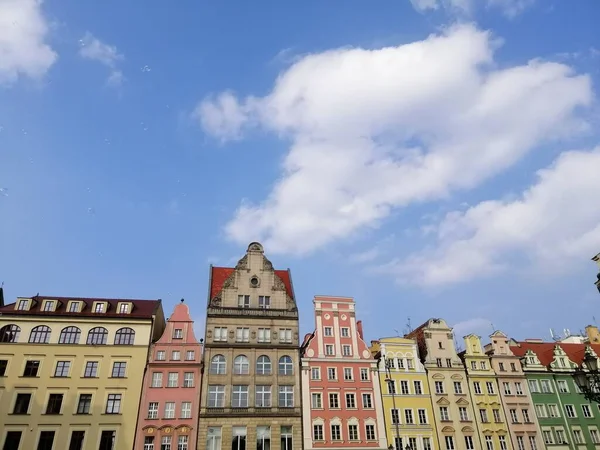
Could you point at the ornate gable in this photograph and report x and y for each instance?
(530, 361)
(561, 361)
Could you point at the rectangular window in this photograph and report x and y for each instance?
(263, 438)
(448, 362)
(458, 388)
(444, 416)
(315, 373)
(264, 301)
(563, 387)
(391, 385)
(483, 415)
(91, 369)
(336, 433)
(285, 335)
(238, 438)
(553, 411)
(124, 308)
(153, 410)
(46, 440)
(334, 401)
(113, 404)
(316, 400)
(328, 331)
(595, 436)
(62, 369)
(408, 417)
(173, 380)
(182, 442)
(418, 387)
(534, 386)
(329, 350)
(239, 398)
(84, 403)
(318, 432)
(422, 413)
(560, 437)
(501, 367)
(178, 333)
(464, 414)
(483, 365)
(513, 416)
(350, 401)
(395, 414)
(496, 413)
(286, 438)
(74, 307)
(506, 387)
(118, 369)
(175, 355)
(533, 442)
(160, 355)
(353, 432)
(54, 404)
(577, 437)
(286, 396)
(520, 443)
(477, 387)
(469, 443)
(346, 350)
(404, 387)
(398, 443)
(216, 396)
(367, 401)
(439, 387)
(548, 436)
(76, 442)
(518, 388)
(48, 306)
(169, 410)
(243, 301)
(242, 335)
(186, 410)
(99, 307)
(22, 404)
(370, 432)
(3, 366)
(264, 335)
(345, 332)
(490, 387)
(107, 440)
(190, 355)
(220, 334)
(546, 386)
(587, 411)
(213, 438)
(489, 443)
(22, 306)
(449, 440)
(502, 440)
(526, 418)
(410, 365)
(348, 373)
(570, 411)
(156, 379)
(331, 373)
(188, 379)
(263, 396)
(31, 369)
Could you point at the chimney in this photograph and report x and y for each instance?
(593, 334)
(359, 329)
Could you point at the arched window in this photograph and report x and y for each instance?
(97, 336)
(124, 336)
(241, 365)
(40, 335)
(9, 333)
(69, 335)
(286, 366)
(263, 365)
(218, 365)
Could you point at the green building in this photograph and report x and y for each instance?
(567, 420)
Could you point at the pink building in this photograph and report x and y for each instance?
(341, 397)
(168, 415)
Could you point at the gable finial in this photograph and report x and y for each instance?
(182, 300)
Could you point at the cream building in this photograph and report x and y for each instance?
(71, 371)
(251, 382)
(448, 385)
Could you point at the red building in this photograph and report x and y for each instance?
(341, 395)
(168, 414)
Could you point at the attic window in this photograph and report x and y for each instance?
(99, 307)
(23, 305)
(124, 308)
(74, 307)
(49, 305)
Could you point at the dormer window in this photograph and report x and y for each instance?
(124, 308)
(23, 305)
(49, 305)
(99, 307)
(74, 307)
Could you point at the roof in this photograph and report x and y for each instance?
(219, 275)
(545, 350)
(141, 309)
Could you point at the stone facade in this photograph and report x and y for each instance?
(251, 381)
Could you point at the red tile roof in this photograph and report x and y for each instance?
(220, 274)
(141, 309)
(545, 350)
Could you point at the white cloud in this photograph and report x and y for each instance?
(478, 325)
(375, 130)
(553, 223)
(94, 49)
(510, 8)
(23, 47)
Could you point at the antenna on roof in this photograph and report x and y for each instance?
(409, 326)
(493, 327)
(397, 333)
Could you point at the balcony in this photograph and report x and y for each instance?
(251, 411)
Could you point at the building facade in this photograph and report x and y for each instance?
(567, 420)
(168, 414)
(485, 397)
(71, 371)
(407, 406)
(522, 421)
(454, 414)
(251, 382)
(340, 385)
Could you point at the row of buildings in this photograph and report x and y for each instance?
(113, 374)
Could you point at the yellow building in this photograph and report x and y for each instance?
(71, 371)
(408, 411)
(485, 395)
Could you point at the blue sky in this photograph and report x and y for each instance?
(433, 158)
